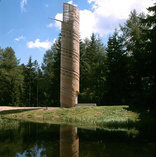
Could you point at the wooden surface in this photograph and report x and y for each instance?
(69, 86)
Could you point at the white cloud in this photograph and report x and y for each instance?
(87, 23)
(118, 8)
(23, 3)
(58, 16)
(54, 40)
(38, 44)
(19, 38)
(106, 15)
(50, 25)
(71, 2)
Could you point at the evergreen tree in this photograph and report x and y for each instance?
(135, 46)
(31, 78)
(117, 72)
(51, 71)
(92, 70)
(11, 79)
(149, 37)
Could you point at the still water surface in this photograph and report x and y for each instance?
(25, 139)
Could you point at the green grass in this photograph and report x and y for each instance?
(99, 116)
(6, 124)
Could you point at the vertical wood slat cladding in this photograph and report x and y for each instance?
(69, 87)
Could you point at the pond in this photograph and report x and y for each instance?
(26, 139)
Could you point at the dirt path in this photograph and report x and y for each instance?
(5, 108)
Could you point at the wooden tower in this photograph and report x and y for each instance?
(69, 85)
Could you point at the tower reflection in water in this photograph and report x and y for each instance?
(69, 141)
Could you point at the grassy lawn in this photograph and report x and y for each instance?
(99, 116)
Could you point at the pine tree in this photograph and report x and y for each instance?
(92, 70)
(149, 37)
(11, 79)
(135, 47)
(117, 72)
(31, 87)
(51, 72)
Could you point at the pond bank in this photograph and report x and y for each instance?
(93, 116)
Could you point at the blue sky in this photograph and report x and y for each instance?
(24, 24)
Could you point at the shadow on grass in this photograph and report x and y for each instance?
(147, 123)
(145, 115)
(15, 111)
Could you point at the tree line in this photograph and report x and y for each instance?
(121, 73)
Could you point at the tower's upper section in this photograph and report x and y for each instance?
(70, 13)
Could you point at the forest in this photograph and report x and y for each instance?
(123, 72)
